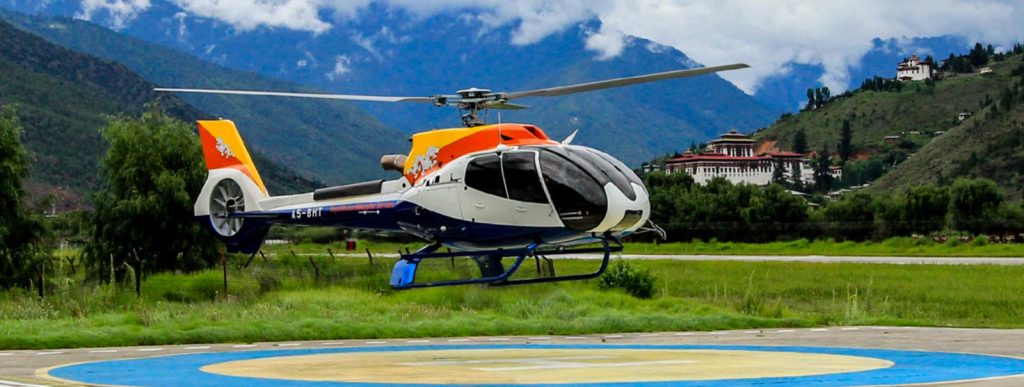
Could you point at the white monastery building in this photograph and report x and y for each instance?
(732, 156)
(913, 69)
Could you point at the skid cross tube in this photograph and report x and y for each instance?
(403, 275)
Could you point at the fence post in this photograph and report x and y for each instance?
(42, 280)
(316, 271)
(224, 268)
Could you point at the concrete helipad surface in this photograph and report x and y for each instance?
(840, 356)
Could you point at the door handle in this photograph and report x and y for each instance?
(520, 209)
(479, 205)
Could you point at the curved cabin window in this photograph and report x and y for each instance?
(484, 174)
(521, 177)
(578, 196)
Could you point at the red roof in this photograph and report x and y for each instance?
(712, 156)
(784, 154)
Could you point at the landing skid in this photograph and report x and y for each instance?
(492, 271)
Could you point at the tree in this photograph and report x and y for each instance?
(978, 55)
(779, 173)
(851, 217)
(20, 233)
(845, 146)
(151, 175)
(822, 173)
(810, 98)
(925, 208)
(800, 141)
(973, 204)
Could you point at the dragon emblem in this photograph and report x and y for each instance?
(424, 162)
(224, 149)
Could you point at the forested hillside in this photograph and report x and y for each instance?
(330, 141)
(64, 97)
(926, 141)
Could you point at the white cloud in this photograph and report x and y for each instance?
(245, 15)
(342, 66)
(607, 41)
(768, 35)
(121, 11)
(182, 26)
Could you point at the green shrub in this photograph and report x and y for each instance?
(635, 280)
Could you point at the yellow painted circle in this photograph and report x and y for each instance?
(528, 366)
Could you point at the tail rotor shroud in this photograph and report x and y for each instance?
(227, 199)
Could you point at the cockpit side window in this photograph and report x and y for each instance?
(577, 195)
(521, 177)
(484, 174)
(619, 165)
(610, 170)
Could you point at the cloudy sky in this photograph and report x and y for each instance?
(768, 35)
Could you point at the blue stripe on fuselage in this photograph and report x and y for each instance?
(402, 216)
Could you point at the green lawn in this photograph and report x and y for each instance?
(900, 246)
(281, 299)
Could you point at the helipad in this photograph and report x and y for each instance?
(534, 364)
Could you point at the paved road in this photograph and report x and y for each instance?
(22, 368)
(1012, 261)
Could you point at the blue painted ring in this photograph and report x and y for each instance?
(909, 367)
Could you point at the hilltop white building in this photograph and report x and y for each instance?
(913, 69)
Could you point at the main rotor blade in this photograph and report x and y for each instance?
(598, 85)
(347, 97)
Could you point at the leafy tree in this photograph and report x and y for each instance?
(800, 141)
(151, 175)
(810, 98)
(851, 217)
(978, 55)
(779, 173)
(973, 203)
(822, 177)
(845, 146)
(20, 233)
(796, 178)
(925, 208)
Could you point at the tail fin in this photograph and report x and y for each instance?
(223, 148)
(233, 186)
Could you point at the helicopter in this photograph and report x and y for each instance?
(485, 191)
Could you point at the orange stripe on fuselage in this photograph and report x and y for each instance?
(454, 143)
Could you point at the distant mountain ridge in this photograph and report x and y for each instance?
(63, 99)
(389, 53)
(331, 141)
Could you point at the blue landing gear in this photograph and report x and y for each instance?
(492, 270)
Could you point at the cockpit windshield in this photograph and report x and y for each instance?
(577, 192)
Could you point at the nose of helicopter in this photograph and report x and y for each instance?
(628, 203)
(625, 215)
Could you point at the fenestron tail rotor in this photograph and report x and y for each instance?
(471, 101)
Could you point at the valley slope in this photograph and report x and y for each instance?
(330, 141)
(65, 97)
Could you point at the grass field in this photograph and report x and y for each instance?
(282, 299)
(899, 246)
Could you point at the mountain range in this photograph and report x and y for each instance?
(64, 98)
(391, 54)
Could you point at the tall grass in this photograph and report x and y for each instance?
(897, 246)
(283, 299)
